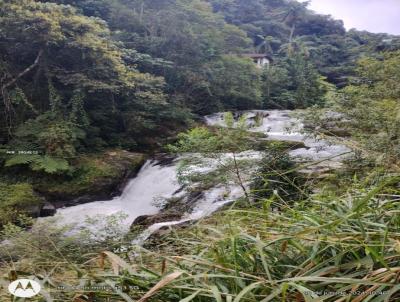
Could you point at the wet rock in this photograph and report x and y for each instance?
(184, 203)
(165, 159)
(33, 211)
(98, 177)
(48, 209)
(332, 124)
(145, 221)
(335, 131)
(165, 230)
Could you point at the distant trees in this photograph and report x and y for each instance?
(63, 79)
(235, 83)
(96, 74)
(293, 82)
(182, 42)
(372, 105)
(334, 51)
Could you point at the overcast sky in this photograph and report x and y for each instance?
(372, 15)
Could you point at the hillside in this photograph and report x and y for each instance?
(180, 170)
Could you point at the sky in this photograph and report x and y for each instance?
(373, 15)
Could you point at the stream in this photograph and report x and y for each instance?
(157, 182)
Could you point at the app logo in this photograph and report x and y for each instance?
(24, 288)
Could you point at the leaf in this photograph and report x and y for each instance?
(50, 165)
(191, 297)
(274, 294)
(246, 290)
(164, 282)
(21, 159)
(116, 262)
(263, 259)
(216, 293)
(118, 291)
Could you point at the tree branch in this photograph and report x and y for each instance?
(25, 71)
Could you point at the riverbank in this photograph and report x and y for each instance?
(292, 230)
(94, 177)
(161, 195)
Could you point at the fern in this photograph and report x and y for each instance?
(44, 163)
(21, 159)
(50, 165)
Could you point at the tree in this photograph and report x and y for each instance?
(293, 82)
(182, 39)
(219, 150)
(372, 106)
(235, 83)
(49, 52)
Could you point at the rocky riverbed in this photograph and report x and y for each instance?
(155, 199)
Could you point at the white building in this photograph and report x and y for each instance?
(260, 59)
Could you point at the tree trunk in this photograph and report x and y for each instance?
(237, 171)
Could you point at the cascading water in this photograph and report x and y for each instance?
(144, 195)
(157, 182)
(153, 183)
(279, 125)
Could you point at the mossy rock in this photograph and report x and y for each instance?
(16, 199)
(95, 177)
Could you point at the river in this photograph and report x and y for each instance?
(157, 182)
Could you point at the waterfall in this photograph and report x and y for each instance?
(153, 184)
(157, 181)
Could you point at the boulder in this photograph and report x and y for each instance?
(147, 220)
(98, 177)
(48, 209)
(335, 131)
(32, 210)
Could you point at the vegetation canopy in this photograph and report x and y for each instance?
(190, 99)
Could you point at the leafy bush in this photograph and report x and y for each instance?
(345, 245)
(372, 106)
(16, 199)
(277, 179)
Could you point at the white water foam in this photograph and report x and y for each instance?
(156, 183)
(281, 126)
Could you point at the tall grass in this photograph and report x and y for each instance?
(328, 247)
(344, 249)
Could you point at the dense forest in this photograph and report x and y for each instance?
(79, 76)
(83, 79)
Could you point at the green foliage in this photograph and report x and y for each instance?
(236, 83)
(15, 199)
(45, 143)
(91, 175)
(204, 140)
(183, 41)
(372, 106)
(220, 155)
(65, 67)
(45, 163)
(293, 83)
(229, 119)
(199, 139)
(278, 180)
(18, 194)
